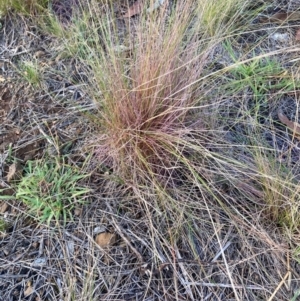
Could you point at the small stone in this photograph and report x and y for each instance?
(280, 37)
(77, 212)
(41, 261)
(99, 229)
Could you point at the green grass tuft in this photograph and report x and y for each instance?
(51, 190)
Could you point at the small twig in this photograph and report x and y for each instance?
(120, 232)
(223, 285)
(221, 251)
(279, 286)
(14, 276)
(74, 237)
(184, 281)
(41, 248)
(47, 137)
(19, 53)
(288, 284)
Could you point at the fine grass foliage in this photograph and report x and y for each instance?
(279, 187)
(151, 97)
(31, 72)
(51, 190)
(81, 38)
(221, 18)
(259, 78)
(26, 7)
(260, 75)
(146, 97)
(50, 24)
(3, 226)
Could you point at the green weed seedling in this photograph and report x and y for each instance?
(51, 189)
(259, 77)
(259, 74)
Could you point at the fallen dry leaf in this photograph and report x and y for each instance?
(28, 291)
(135, 9)
(105, 239)
(77, 211)
(39, 54)
(281, 17)
(13, 171)
(3, 207)
(293, 126)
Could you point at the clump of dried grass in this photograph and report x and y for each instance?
(148, 95)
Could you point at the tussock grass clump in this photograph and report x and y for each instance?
(145, 116)
(280, 190)
(150, 92)
(142, 113)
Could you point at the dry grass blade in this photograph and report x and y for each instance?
(222, 285)
(292, 126)
(121, 233)
(185, 280)
(279, 286)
